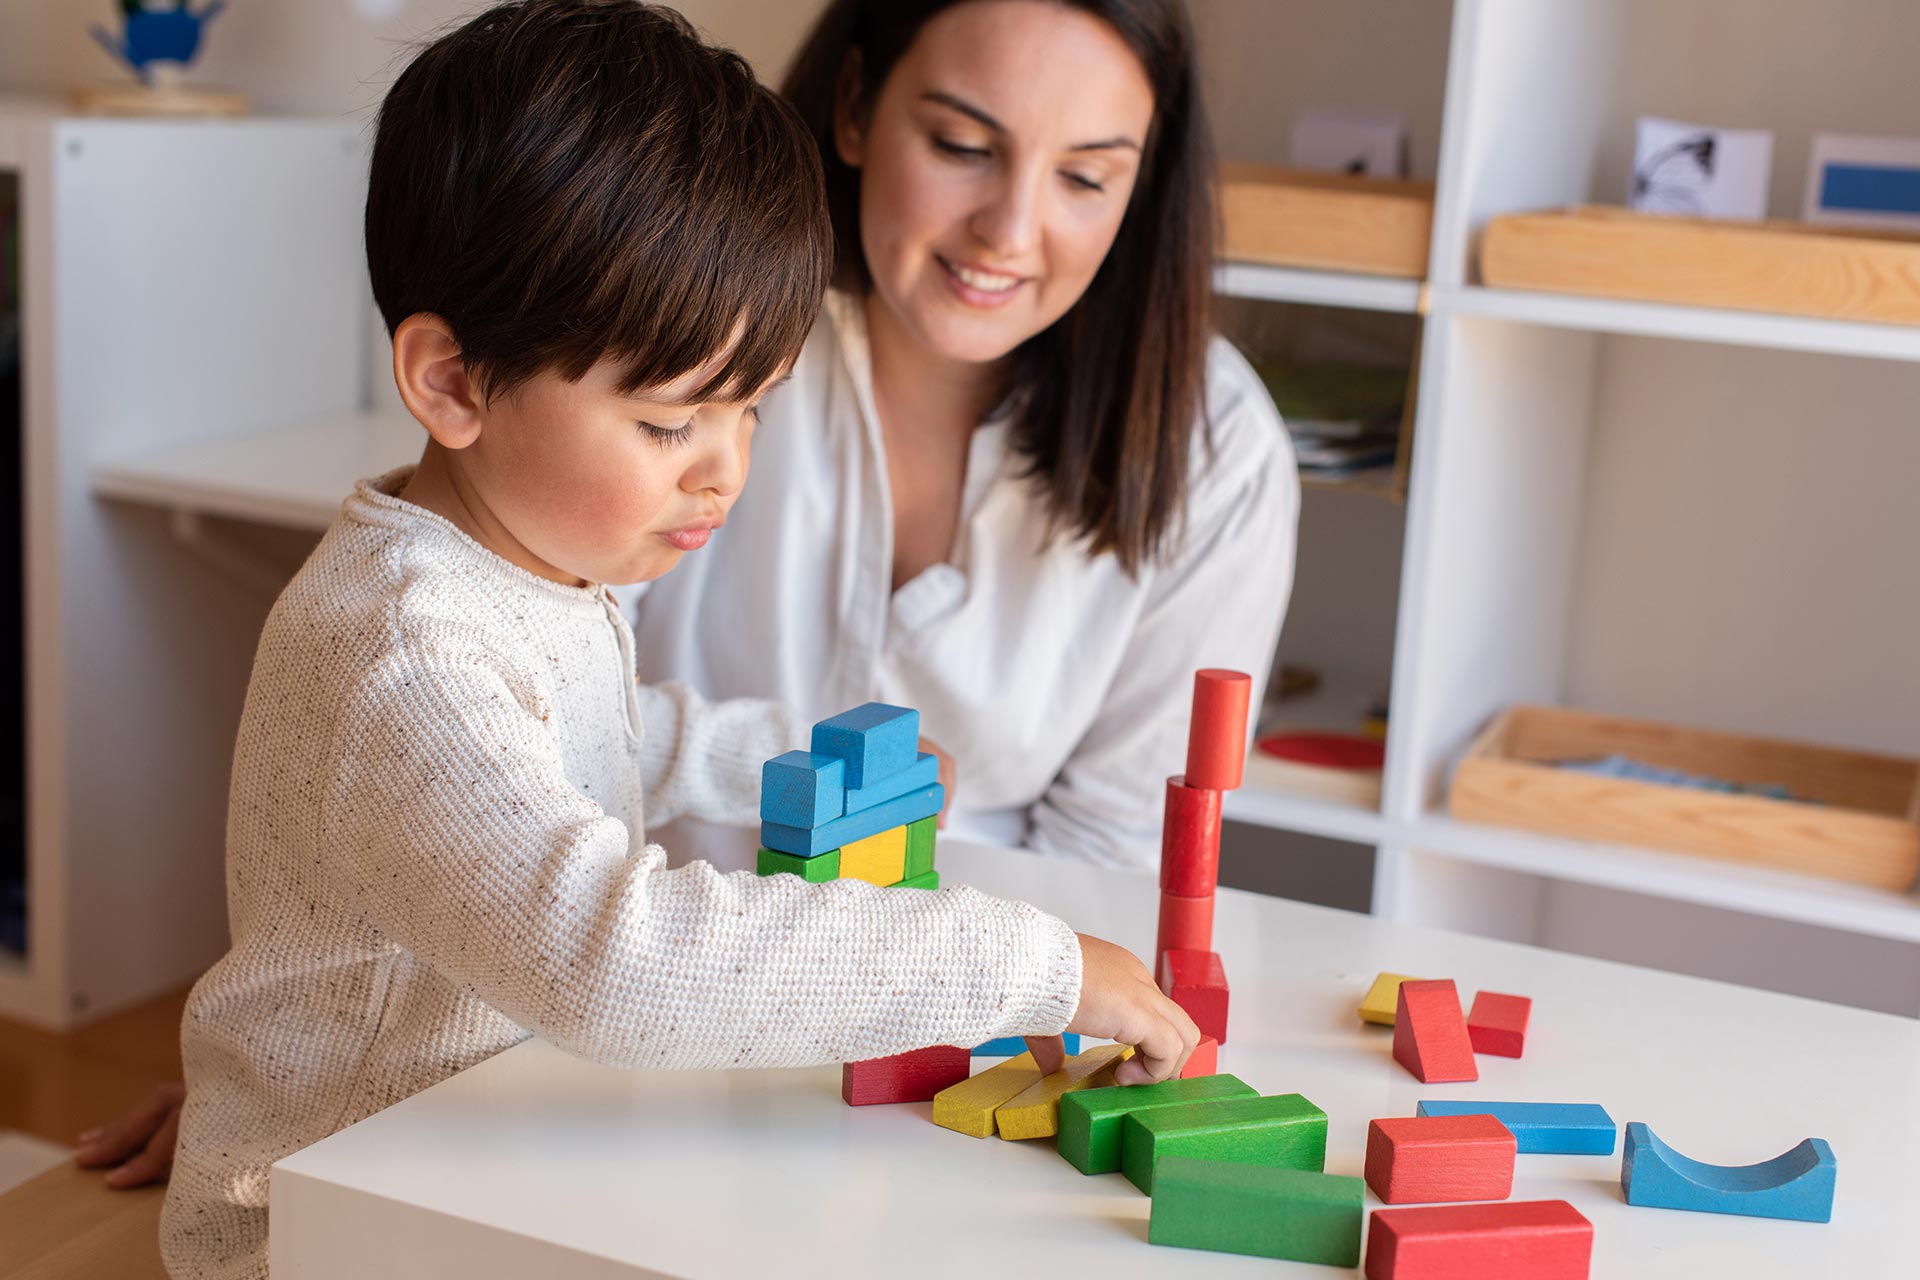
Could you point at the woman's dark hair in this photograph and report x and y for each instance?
(564, 181)
(1106, 399)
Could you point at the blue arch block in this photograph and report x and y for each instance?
(1796, 1185)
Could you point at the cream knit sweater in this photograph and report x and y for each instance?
(435, 848)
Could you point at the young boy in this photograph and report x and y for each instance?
(596, 242)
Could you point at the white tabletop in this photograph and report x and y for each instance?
(537, 1163)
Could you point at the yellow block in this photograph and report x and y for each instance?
(880, 859)
(1035, 1113)
(968, 1107)
(1383, 998)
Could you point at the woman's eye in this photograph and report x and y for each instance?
(1081, 181)
(666, 437)
(960, 149)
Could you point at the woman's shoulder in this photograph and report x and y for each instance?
(1241, 444)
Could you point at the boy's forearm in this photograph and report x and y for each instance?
(702, 759)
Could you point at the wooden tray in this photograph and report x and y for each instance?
(1325, 221)
(1783, 267)
(1855, 816)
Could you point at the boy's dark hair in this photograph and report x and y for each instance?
(1107, 399)
(564, 181)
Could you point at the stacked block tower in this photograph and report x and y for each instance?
(1188, 968)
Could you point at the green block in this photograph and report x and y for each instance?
(1286, 1132)
(815, 870)
(1090, 1121)
(1270, 1213)
(925, 880)
(920, 847)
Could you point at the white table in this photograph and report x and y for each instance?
(534, 1163)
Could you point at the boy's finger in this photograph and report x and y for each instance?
(153, 1163)
(111, 1144)
(1049, 1053)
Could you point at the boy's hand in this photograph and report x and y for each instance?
(140, 1143)
(1119, 1001)
(947, 774)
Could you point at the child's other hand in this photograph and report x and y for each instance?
(1119, 1001)
(947, 774)
(140, 1143)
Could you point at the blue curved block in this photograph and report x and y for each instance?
(1796, 1185)
(1541, 1128)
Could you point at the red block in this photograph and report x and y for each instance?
(1430, 1033)
(1190, 840)
(1217, 736)
(914, 1076)
(1197, 982)
(1425, 1159)
(1498, 1024)
(1524, 1240)
(1205, 1060)
(1186, 924)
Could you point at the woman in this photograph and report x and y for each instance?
(1014, 481)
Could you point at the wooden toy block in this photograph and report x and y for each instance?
(1430, 1033)
(1091, 1121)
(925, 880)
(1035, 1113)
(1204, 1061)
(816, 870)
(1426, 1159)
(914, 1076)
(1497, 1024)
(968, 1107)
(1007, 1046)
(880, 859)
(1797, 1184)
(875, 740)
(1190, 840)
(1541, 1128)
(801, 789)
(807, 842)
(1383, 998)
(920, 842)
(1217, 735)
(1269, 1213)
(1519, 1240)
(923, 772)
(1286, 1131)
(1186, 924)
(1196, 981)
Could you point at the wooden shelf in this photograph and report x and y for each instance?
(1326, 221)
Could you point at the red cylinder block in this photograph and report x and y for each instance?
(1217, 736)
(1190, 840)
(1186, 924)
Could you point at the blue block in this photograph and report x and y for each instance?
(804, 842)
(1007, 1046)
(1541, 1128)
(1797, 1185)
(923, 772)
(800, 789)
(876, 740)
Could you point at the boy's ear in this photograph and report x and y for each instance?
(849, 113)
(434, 382)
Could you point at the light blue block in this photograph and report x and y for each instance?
(1008, 1046)
(876, 740)
(800, 789)
(805, 842)
(923, 772)
(1796, 1185)
(1541, 1128)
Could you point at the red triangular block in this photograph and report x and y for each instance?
(1430, 1033)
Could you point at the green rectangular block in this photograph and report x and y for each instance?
(815, 870)
(1291, 1214)
(926, 880)
(1286, 1132)
(920, 847)
(1090, 1121)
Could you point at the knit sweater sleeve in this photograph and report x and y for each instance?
(703, 758)
(449, 821)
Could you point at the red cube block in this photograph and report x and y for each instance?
(914, 1076)
(1197, 982)
(1525, 1240)
(1425, 1159)
(1498, 1024)
(1430, 1033)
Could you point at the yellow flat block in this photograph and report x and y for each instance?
(1035, 1112)
(880, 859)
(968, 1107)
(1382, 998)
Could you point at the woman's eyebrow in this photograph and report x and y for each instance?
(965, 108)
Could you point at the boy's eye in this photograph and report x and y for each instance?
(666, 437)
(960, 149)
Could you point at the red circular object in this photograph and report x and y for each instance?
(1327, 750)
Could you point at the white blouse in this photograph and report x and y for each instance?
(1060, 685)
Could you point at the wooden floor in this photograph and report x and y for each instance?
(67, 1223)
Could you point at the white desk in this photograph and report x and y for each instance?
(534, 1163)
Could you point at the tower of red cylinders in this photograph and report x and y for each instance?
(1188, 969)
